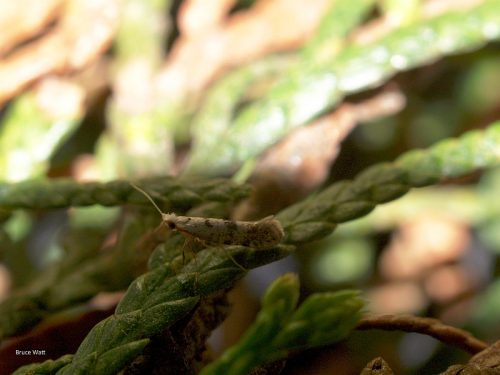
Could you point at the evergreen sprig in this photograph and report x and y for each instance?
(156, 300)
(85, 271)
(48, 367)
(143, 31)
(280, 326)
(300, 92)
(27, 154)
(175, 193)
(216, 113)
(317, 217)
(313, 89)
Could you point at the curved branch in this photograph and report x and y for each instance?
(426, 326)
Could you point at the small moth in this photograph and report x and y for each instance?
(263, 234)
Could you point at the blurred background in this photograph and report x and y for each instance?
(108, 89)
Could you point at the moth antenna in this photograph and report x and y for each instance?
(143, 192)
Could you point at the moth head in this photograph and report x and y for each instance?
(170, 220)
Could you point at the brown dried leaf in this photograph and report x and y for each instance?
(268, 26)
(22, 19)
(85, 30)
(200, 16)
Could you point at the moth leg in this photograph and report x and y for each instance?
(195, 261)
(228, 254)
(187, 248)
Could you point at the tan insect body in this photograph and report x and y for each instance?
(263, 234)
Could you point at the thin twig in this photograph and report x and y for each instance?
(427, 326)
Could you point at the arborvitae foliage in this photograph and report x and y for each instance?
(204, 141)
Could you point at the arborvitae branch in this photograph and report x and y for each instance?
(215, 134)
(174, 192)
(160, 290)
(48, 367)
(323, 318)
(317, 217)
(156, 300)
(310, 91)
